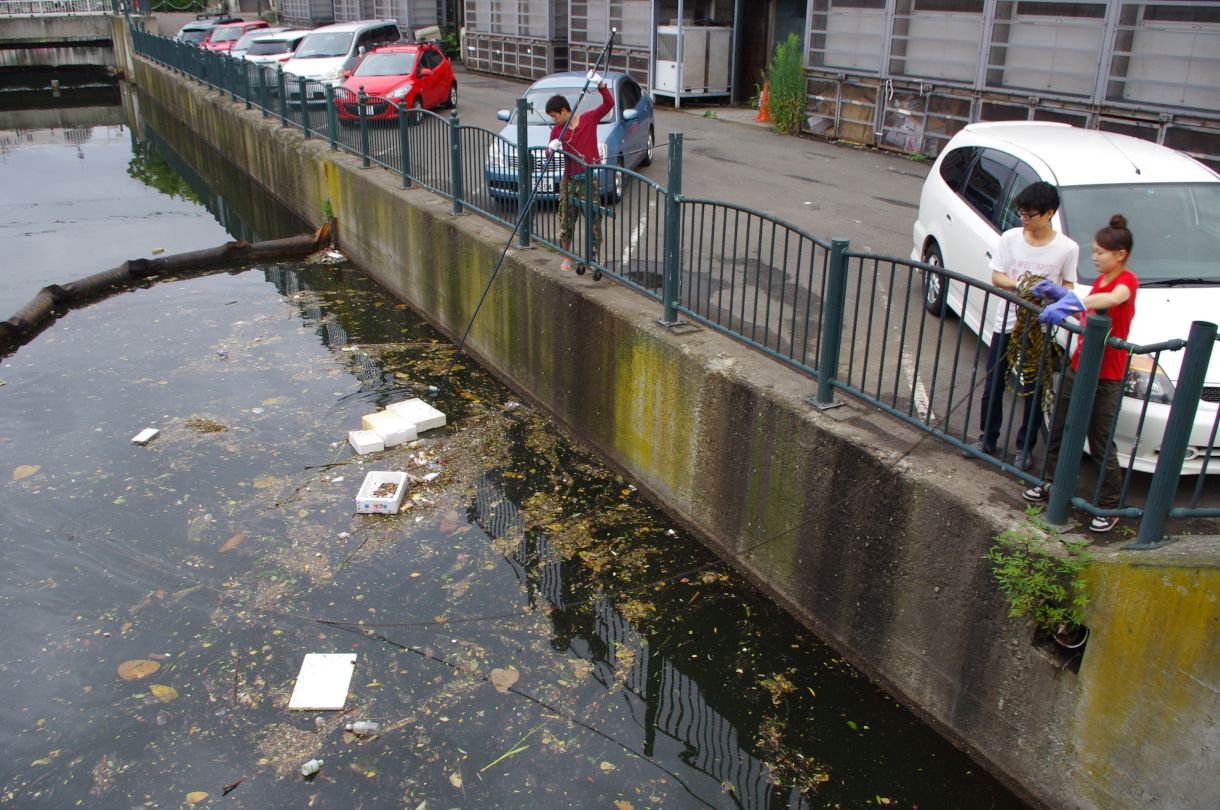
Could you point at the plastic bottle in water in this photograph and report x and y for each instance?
(363, 728)
(311, 767)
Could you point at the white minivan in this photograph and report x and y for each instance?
(1172, 206)
(327, 52)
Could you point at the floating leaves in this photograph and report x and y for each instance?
(502, 679)
(196, 796)
(163, 693)
(25, 471)
(137, 669)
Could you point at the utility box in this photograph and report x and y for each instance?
(307, 13)
(699, 67)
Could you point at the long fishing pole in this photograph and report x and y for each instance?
(434, 391)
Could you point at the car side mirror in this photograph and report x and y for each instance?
(347, 74)
(425, 72)
(361, 50)
(630, 115)
(503, 115)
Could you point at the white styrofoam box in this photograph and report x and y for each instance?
(145, 436)
(365, 441)
(421, 413)
(323, 682)
(393, 428)
(368, 503)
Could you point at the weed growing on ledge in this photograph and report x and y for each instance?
(786, 96)
(1038, 581)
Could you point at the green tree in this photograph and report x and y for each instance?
(147, 166)
(786, 93)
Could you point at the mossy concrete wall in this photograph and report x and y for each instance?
(870, 535)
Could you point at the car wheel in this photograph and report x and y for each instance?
(647, 159)
(417, 110)
(935, 285)
(615, 192)
(452, 102)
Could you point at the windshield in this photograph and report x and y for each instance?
(536, 98)
(246, 41)
(268, 47)
(386, 64)
(1176, 228)
(194, 34)
(325, 44)
(226, 34)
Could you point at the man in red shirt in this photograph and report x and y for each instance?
(579, 140)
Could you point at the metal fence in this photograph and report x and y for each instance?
(34, 8)
(855, 321)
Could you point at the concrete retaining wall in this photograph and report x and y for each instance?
(866, 533)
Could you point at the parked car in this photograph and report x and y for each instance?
(332, 50)
(194, 32)
(238, 51)
(625, 135)
(272, 48)
(1172, 204)
(222, 37)
(414, 75)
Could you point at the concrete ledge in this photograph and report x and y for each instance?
(868, 532)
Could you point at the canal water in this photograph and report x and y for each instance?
(528, 632)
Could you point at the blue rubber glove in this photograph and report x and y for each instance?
(1049, 290)
(1059, 311)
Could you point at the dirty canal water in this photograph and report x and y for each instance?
(529, 631)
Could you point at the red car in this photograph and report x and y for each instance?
(223, 37)
(415, 75)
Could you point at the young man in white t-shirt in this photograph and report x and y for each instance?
(1034, 249)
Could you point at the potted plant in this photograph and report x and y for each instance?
(1041, 573)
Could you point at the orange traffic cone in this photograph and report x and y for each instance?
(764, 115)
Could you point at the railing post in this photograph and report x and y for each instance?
(525, 175)
(455, 161)
(279, 72)
(301, 81)
(262, 89)
(1080, 409)
(245, 81)
(832, 324)
(332, 122)
(588, 206)
(404, 144)
(672, 267)
(1182, 411)
(362, 101)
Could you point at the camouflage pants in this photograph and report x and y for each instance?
(571, 206)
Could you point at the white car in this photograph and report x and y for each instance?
(273, 48)
(1172, 206)
(238, 51)
(328, 52)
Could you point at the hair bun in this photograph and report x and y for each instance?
(1118, 221)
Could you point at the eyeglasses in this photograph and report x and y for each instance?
(1025, 213)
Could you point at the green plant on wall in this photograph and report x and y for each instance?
(786, 92)
(328, 213)
(1040, 572)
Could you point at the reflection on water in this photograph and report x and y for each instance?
(529, 631)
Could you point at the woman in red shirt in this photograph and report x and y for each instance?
(579, 140)
(1113, 294)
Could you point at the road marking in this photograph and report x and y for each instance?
(635, 239)
(918, 393)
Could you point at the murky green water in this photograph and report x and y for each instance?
(529, 631)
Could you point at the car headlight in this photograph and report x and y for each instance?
(333, 75)
(398, 93)
(1146, 379)
(497, 157)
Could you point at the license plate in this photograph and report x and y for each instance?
(546, 185)
(368, 110)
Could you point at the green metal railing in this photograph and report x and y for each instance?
(855, 321)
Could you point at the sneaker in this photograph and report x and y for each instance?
(981, 446)
(1037, 493)
(566, 266)
(1023, 461)
(1102, 524)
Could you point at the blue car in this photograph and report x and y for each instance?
(625, 135)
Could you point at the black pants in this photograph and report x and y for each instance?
(1105, 404)
(991, 417)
